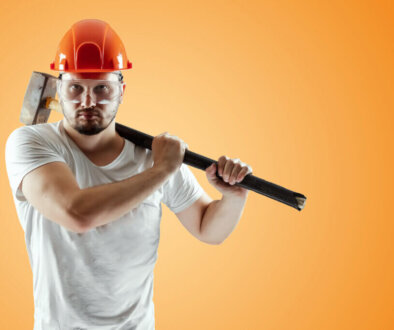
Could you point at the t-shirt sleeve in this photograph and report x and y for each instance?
(181, 190)
(25, 151)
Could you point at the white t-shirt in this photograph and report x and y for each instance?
(101, 279)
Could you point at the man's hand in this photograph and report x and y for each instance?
(232, 171)
(168, 152)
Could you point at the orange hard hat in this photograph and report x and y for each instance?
(90, 45)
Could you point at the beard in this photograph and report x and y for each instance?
(89, 129)
(89, 126)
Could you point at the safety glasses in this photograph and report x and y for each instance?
(102, 91)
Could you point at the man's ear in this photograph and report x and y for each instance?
(121, 98)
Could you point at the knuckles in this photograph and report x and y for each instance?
(169, 140)
(234, 163)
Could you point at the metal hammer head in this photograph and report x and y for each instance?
(41, 87)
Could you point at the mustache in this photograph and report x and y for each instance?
(89, 111)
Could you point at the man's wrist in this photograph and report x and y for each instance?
(162, 170)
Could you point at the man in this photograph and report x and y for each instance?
(89, 201)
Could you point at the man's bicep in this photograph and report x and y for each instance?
(191, 217)
(50, 188)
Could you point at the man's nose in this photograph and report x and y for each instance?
(87, 100)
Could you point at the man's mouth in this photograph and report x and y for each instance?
(88, 115)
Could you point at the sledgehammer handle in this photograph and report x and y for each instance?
(250, 182)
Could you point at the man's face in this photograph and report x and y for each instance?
(87, 116)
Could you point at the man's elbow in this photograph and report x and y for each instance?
(210, 239)
(80, 227)
(216, 243)
(75, 223)
(78, 221)
(211, 242)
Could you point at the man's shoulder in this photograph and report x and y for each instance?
(33, 133)
(38, 129)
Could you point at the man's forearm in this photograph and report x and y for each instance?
(221, 217)
(99, 205)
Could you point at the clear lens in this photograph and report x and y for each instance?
(102, 91)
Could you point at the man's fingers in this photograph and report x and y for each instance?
(221, 161)
(228, 167)
(174, 137)
(244, 171)
(235, 172)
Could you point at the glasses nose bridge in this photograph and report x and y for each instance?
(87, 88)
(87, 93)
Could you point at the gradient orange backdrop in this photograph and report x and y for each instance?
(300, 90)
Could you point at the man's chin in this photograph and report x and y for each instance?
(89, 129)
(90, 132)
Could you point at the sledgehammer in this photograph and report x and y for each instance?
(40, 99)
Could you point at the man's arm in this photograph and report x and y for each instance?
(54, 192)
(212, 221)
(191, 217)
(52, 189)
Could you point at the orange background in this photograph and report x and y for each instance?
(300, 90)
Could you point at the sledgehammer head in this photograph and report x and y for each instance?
(41, 87)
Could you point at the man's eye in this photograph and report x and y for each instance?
(101, 89)
(75, 86)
